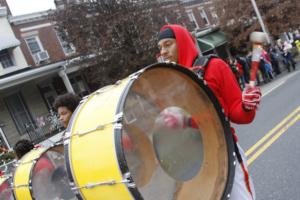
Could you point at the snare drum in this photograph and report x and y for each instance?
(117, 147)
(41, 175)
(6, 192)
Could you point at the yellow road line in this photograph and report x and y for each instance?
(273, 139)
(270, 133)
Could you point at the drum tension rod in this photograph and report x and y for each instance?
(23, 185)
(118, 119)
(24, 163)
(108, 183)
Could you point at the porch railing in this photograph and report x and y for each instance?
(43, 127)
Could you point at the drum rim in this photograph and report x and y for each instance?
(67, 151)
(225, 124)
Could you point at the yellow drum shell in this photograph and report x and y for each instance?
(23, 172)
(95, 154)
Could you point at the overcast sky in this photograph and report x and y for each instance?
(19, 7)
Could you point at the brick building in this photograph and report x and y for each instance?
(34, 69)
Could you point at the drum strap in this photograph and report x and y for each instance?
(246, 174)
(201, 64)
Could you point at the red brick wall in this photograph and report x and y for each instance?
(48, 38)
(196, 11)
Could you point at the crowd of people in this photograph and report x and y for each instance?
(272, 62)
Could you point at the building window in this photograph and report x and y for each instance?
(5, 59)
(192, 18)
(66, 46)
(34, 44)
(204, 16)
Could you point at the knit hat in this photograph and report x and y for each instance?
(166, 33)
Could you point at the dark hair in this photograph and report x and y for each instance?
(68, 100)
(22, 147)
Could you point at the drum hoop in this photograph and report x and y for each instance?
(66, 144)
(67, 151)
(123, 167)
(225, 124)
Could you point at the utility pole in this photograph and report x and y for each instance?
(263, 27)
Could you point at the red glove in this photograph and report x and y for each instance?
(251, 98)
(173, 119)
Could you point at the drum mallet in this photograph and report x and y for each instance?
(258, 39)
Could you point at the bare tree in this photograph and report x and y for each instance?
(238, 18)
(117, 36)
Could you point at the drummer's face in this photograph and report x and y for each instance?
(64, 115)
(168, 49)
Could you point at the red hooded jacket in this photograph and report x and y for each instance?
(218, 76)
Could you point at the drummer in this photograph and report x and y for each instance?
(177, 45)
(65, 105)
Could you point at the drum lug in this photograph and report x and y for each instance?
(119, 117)
(136, 75)
(129, 184)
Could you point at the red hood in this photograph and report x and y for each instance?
(187, 51)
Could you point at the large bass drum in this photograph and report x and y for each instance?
(120, 146)
(41, 175)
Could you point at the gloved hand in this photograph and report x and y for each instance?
(251, 97)
(173, 119)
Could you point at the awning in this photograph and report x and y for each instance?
(211, 41)
(29, 75)
(8, 41)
